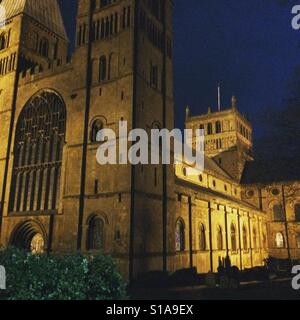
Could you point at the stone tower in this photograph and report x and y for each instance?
(128, 46)
(228, 137)
(32, 36)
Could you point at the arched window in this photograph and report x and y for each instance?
(96, 127)
(44, 47)
(298, 240)
(95, 234)
(179, 236)
(218, 127)
(219, 238)
(278, 212)
(245, 238)
(233, 238)
(102, 68)
(38, 151)
(209, 129)
(279, 240)
(297, 212)
(254, 238)
(202, 238)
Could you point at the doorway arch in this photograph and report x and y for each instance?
(29, 236)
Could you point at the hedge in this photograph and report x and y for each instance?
(69, 277)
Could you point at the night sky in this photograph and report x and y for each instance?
(248, 46)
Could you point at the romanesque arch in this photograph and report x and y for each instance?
(29, 235)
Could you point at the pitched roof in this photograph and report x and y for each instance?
(212, 166)
(46, 12)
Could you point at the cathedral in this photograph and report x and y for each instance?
(55, 197)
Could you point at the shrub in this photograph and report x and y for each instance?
(69, 277)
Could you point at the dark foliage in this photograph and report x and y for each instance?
(69, 277)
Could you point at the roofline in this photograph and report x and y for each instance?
(188, 184)
(213, 114)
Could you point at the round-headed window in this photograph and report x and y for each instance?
(275, 192)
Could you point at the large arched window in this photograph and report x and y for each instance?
(279, 240)
(297, 212)
(95, 234)
(102, 68)
(179, 236)
(202, 238)
(278, 212)
(97, 126)
(233, 238)
(38, 150)
(219, 238)
(245, 238)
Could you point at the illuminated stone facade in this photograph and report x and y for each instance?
(54, 195)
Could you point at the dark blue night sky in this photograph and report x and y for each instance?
(249, 46)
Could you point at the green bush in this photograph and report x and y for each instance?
(69, 277)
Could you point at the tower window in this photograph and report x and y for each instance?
(96, 127)
(96, 186)
(3, 41)
(154, 76)
(128, 16)
(95, 234)
(218, 127)
(102, 68)
(107, 27)
(44, 47)
(209, 129)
